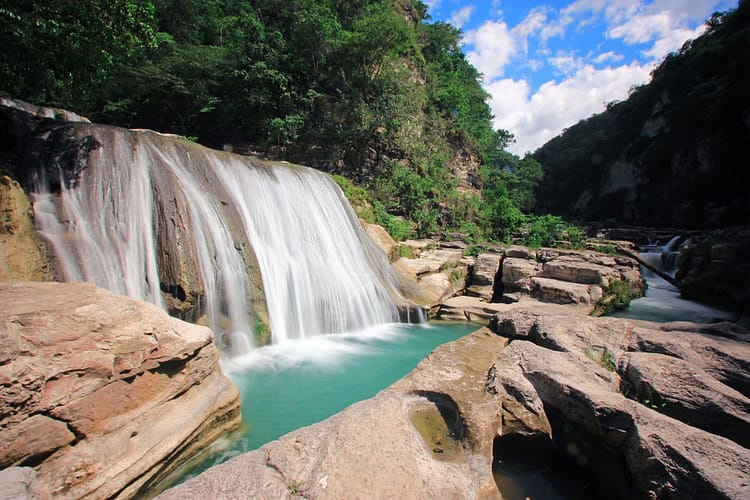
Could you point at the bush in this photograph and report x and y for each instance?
(617, 297)
(547, 230)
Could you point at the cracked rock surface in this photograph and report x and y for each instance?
(102, 394)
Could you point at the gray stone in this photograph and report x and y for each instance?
(562, 292)
(518, 252)
(517, 274)
(19, 483)
(486, 267)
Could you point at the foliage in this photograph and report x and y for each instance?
(359, 198)
(685, 132)
(617, 297)
(62, 53)
(547, 230)
(362, 88)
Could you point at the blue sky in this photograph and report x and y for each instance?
(548, 64)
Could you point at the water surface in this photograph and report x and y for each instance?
(301, 382)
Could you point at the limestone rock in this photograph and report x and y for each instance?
(382, 239)
(687, 393)
(486, 267)
(517, 274)
(20, 483)
(563, 292)
(518, 252)
(574, 271)
(103, 394)
(694, 446)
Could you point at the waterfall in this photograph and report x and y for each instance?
(160, 219)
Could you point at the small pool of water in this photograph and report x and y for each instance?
(298, 383)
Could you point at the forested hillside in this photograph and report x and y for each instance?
(675, 153)
(363, 88)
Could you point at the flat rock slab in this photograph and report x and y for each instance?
(103, 394)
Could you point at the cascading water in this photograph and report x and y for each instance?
(142, 208)
(662, 301)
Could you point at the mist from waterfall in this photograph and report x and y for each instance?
(145, 202)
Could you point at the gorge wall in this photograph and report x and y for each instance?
(672, 154)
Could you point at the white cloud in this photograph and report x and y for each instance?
(536, 118)
(493, 47)
(566, 62)
(460, 17)
(643, 28)
(607, 57)
(671, 42)
(652, 27)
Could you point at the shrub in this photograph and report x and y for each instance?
(617, 297)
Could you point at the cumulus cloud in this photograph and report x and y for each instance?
(671, 42)
(462, 16)
(582, 87)
(643, 28)
(608, 56)
(493, 47)
(536, 117)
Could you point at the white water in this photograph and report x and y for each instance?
(321, 273)
(662, 301)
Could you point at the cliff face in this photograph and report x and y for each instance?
(674, 153)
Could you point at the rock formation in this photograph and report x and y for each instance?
(103, 395)
(542, 375)
(656, 410)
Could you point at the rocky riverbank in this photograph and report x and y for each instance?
(102, 395)
(646, 410)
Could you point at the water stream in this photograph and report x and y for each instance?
(662, 301)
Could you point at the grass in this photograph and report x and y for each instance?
(602, 356)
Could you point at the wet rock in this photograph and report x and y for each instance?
(103, 394)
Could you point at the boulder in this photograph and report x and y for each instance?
(563, 292)
(382, 239)
(517, 274)
(104, 395)
(518, 252)
(486, 267)
(575, 271)
(686, 392)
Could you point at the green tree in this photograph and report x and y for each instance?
(63, 53)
